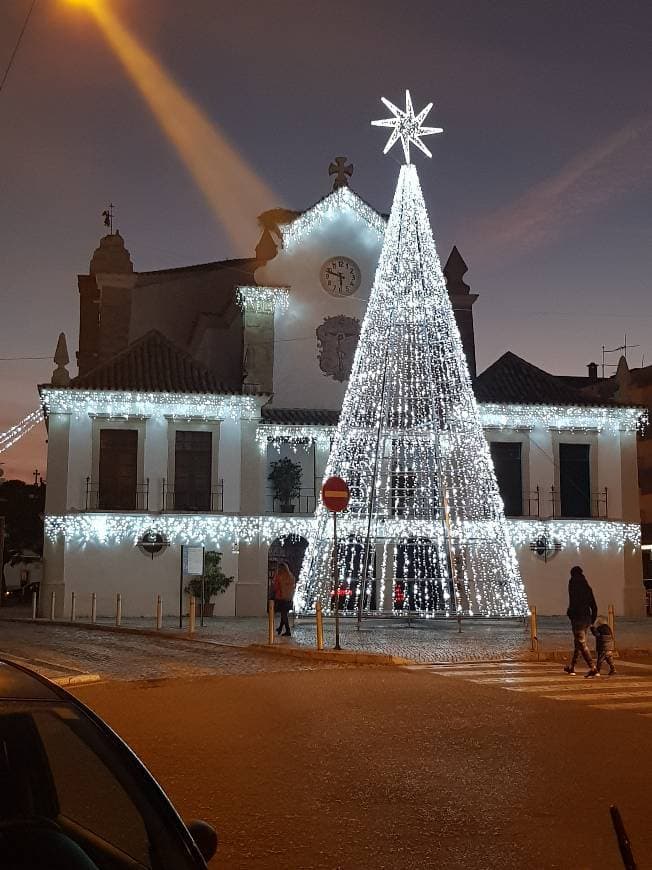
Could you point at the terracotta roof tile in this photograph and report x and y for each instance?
(514, 381)
(151, 364)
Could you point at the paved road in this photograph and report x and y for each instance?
(56, 650)
(380, 768)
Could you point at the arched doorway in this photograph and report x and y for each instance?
(290, 549)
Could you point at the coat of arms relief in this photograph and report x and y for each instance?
(337, 339)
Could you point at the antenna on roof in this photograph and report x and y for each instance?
(623, 348)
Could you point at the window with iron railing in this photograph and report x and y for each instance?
(192, 470)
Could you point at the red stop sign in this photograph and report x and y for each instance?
(335, 494)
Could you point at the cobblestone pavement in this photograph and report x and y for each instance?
(58, 650)
(418, 640)
(421, 640)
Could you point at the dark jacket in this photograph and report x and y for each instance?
(604, 639)
(582, 608)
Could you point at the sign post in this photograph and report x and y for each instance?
(335, 496)
(192, 565)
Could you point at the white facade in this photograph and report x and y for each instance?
(92, 551)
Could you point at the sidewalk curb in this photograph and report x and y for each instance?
(79, 680)
(332, 655)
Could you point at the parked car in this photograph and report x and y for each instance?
(73, 795)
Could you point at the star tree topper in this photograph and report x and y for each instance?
(407, 126)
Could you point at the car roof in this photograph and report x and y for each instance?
(18, 683)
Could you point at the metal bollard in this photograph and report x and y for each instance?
(159, 613)
(192, 611)
(459, 622)
(611, 619)
(53, 598)
(320, 625)
(534, 639)
(270, 623)
(118, 609)
(93, 606)
(34, 604)
(72, 607)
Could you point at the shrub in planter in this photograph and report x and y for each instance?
(215, 581)
(285, 478)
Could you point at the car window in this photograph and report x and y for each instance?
(87, 791)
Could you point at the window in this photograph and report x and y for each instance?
(575, 480)
(506, 457)
(192, 470)
(118, 470)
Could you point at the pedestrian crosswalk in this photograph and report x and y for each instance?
(624, 691)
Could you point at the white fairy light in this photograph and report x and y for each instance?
(263, 300)
(498, 416)
(209, 406)
(275, 435)
(334, 203)
(409, 441)
(20, 429)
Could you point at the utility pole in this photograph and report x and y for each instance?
(3, 588)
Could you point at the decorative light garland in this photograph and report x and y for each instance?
(117, 528)
(341, 198)
(127, 404)
(20, 429)
(295, 436)
(263, 300)
(573, 417)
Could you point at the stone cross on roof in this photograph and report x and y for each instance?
(342, 172)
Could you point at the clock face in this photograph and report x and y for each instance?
(340, 276)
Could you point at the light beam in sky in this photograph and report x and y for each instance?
(231, 188)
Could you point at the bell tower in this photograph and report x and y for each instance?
(462, 301)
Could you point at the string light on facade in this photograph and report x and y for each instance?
(263, 300)
(131, 404)
(596, 419)
(327, 208)
(276, 435)
(425, 521)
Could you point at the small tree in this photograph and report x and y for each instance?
(285, 478)
(215, 580)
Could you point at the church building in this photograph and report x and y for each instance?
(205, 402)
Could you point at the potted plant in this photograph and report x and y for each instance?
(285, 478)
(215, 581)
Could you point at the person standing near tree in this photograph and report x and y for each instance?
(582, 612)
(284, 586)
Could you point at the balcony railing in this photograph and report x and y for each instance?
(599, 505)
(305, 503)
(115, 497)
(208, 500)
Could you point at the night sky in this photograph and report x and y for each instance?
(542, 177)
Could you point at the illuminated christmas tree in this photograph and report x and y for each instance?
(425, 526)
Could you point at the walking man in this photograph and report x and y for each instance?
(582, 612)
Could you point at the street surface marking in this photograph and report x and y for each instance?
(601, 684)
(596, 693)
(619, 692)
(633, 705)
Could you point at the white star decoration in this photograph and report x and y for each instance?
(407, 126)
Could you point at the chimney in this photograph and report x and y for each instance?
(593, 371)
